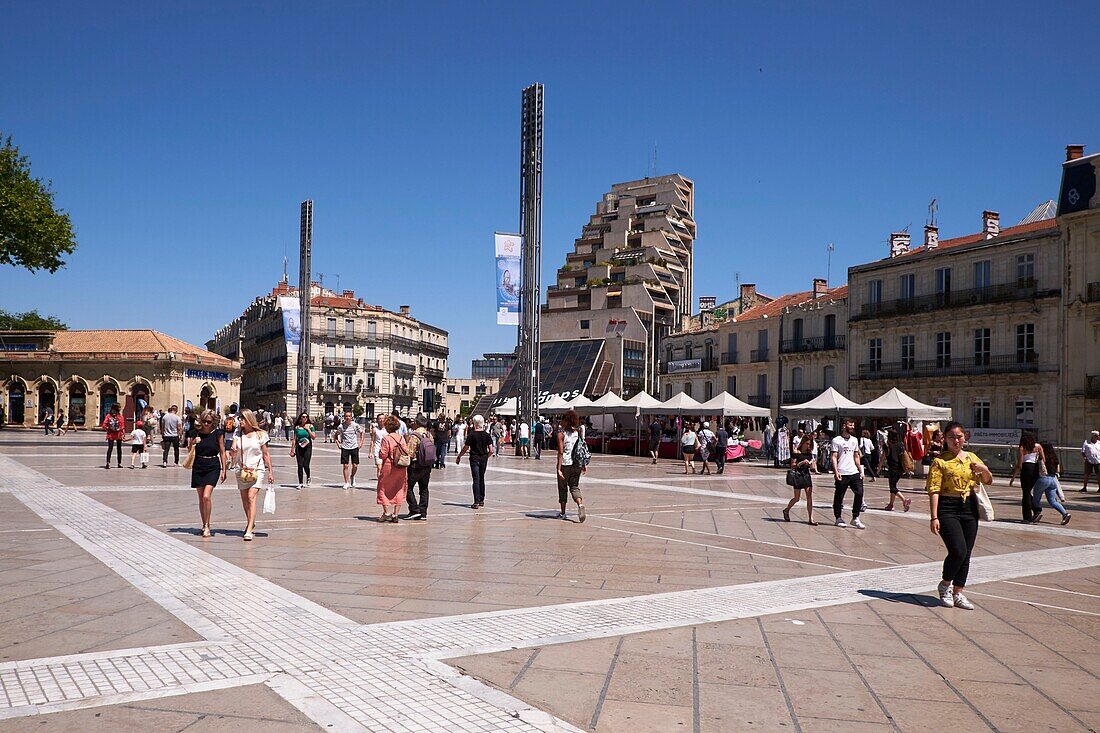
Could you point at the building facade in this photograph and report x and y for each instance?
(492, 366)
(779, 351)
(971, 323)
(463, 394)
(628, 280)
(83, 373)
(362, 357)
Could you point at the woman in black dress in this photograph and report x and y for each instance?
(210, 464)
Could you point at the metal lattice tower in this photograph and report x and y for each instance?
(305, 268)
(530, 217)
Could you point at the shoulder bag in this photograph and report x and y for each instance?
(985, 506)
(402, 458)
(189, 461)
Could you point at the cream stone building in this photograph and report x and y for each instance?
(628, 280)
(463, 394)
(971, 323)
(362, 356)
(783, 350)
(83, 373)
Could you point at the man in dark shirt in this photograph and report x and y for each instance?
(480, 446)
(442, 441)
(720, 448)
(540, 434)
(655, 430)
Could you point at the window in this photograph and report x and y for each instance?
(943, 283)
(796, 378)
(708, 390)
(451, 389)
(688, 351)
(349, 354)
(465, 389)
(731, 384)
(907, 286)
(943, 349)
(668, 391)
(981, 347)
(1025, 271)
(874, 355)
(982, 274)
(330, 352)
(332, 328)
(796, 332)
(981, 414)
(762, 339)
(731, 349)
(762, 385)
(349, 327)
(874, 292)
(687, 388)
(585, 324)
(347, 382)
(908, 352)
(370, 383)
(1025, 343)
(829, 376)
(1025, 413)
(330, 381)
(372, 329)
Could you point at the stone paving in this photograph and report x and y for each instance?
(684, 602)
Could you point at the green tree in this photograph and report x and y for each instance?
(33, 233)
(29, 321)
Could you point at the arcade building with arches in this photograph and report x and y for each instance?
(83, 373)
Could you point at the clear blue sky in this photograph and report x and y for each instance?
(182, 137)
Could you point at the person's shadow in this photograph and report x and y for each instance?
(910, 598)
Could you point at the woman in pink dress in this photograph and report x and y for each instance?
(392, 477)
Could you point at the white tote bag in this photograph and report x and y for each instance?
(269, 500)
(985, 506)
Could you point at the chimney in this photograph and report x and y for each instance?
(821, 286)
(1073, 152)
(931, 236)
(991, 224)
(748, 296)
(899, 243)
(349, 294)
(404, 310)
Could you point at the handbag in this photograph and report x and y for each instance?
(985, 506)
(247, 475)
(403, 459)
(799, 478)
(189, 461)
(907, 465)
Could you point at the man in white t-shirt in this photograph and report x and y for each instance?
(351, 436)
(847, 472)
(525, 440)
(1090, 451)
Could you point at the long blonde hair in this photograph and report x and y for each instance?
(247, 418)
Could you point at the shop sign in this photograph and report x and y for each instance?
(685, 365)
(994, 436)
(203, 374)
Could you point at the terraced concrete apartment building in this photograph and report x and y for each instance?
(628, 280)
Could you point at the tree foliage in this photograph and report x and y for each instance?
(29, 321)
(33, 233)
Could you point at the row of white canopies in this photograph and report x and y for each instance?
(893, 403)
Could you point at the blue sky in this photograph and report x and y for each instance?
(182, 137)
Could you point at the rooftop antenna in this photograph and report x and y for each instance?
(654, 159)
(829, 264)
(286, 277)
(932, 208)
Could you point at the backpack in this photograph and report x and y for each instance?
(425, 452)
(581, 455)
(113, 424)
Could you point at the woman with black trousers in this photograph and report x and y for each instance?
(1028, 457)
(952, 478)
(302, 448)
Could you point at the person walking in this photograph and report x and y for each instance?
(707, 442)
(62, 426)
(278, 425)
(1029, 456)
(442, 438)
(1090, 452)
(539, 437)
(569, 467)
(209, 466)
(301, 450)
(288, 427)
(847, 473)
(689, 444)
(480, 447)
(114, 426)
(868, 455)
(423, 454)
(170, 428)
(952, 478)
(393, 480)
(255, 466)
(655, 432)
(47, 420)
(377, 435)
(894, 469)
(460, 434)
(496, 432)
(330, 425)
(1047, 484)
(351, 436)
(721, 443)
(229, 430)
(139, 446)
(802, 457)
(524, 440)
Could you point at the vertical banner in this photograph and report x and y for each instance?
(509, 248)
(292, 322)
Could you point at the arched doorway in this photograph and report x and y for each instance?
(136, 402)
(17, 399)
(108, 395)
(47, 400)
(208, 398)
(78, 404)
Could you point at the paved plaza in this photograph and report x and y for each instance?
(683, 603)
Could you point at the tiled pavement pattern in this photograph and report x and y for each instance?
(277, 634)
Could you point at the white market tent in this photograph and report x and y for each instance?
(727, 405)
(896, 403)
(610, 402)
(508, 407)
(679, 403)
(829, 402)
(642, 400)
(555, 404)
(578, 402)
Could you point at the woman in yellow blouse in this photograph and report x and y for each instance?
(951, 481)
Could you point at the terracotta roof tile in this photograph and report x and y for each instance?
(1034, 226)
(777, 306)
(142, 341)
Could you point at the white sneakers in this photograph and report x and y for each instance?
(347, 485)
(961, 602)
(944, 590)
(840, 522)
(858, 524)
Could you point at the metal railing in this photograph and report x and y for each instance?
(729, 357)
(796, 396)
(759, 355)
(819, 343)
(400, 366)
(1023, 362)
(432, 373)
(369, 364)
(760, 400)
(1024, 289)
(338, 361)
(1092, 292)
(404, 342)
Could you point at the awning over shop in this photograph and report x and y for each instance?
(896, 403)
